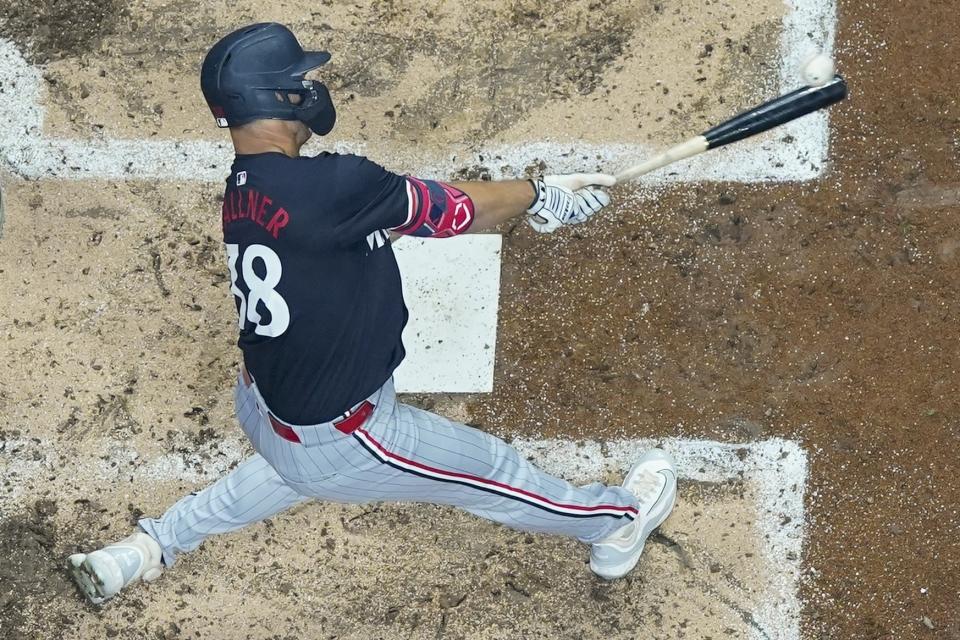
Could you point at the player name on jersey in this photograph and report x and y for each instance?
(249, 204)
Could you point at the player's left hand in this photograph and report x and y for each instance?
(568, 199)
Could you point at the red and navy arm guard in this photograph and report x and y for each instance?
(435, 210)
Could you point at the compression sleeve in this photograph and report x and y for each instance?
(435, 210)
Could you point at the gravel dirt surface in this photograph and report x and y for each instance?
(824, 312)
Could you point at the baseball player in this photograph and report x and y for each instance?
(320, 314)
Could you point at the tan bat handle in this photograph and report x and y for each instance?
(691, 147)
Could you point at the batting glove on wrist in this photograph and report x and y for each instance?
(568, 199)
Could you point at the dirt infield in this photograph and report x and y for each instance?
(432, 73)
(822, 312)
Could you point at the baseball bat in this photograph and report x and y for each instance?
(764, 117)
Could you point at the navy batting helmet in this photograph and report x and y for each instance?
(258, 72)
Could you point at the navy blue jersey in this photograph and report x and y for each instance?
(315, 280)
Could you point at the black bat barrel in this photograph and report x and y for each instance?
(776, 112)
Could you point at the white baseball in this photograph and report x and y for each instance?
(818, 70)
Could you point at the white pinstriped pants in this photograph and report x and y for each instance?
(399, 454)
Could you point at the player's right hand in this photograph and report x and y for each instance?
(567, 199)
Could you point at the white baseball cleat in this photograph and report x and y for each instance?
(653, 479)
(104, 572)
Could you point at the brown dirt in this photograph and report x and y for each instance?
(826, 314)
(517, 65)
(54, 29)
(823, 312)
(383, 571)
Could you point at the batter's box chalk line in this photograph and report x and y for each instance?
(807, 25)
(775, 471)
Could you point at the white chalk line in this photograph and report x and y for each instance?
(776, 469)
(808, 25)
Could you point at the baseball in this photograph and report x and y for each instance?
(818, 70)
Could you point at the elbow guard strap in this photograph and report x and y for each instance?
(436, 210)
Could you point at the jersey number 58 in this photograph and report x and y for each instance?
(260, 291)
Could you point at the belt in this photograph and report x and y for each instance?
(347, 423)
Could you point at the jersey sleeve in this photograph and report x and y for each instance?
(367, 198)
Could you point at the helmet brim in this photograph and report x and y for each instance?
(311, 60)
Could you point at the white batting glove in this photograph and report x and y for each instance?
(568, 199)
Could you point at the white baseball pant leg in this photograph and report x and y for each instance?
(399, 453)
